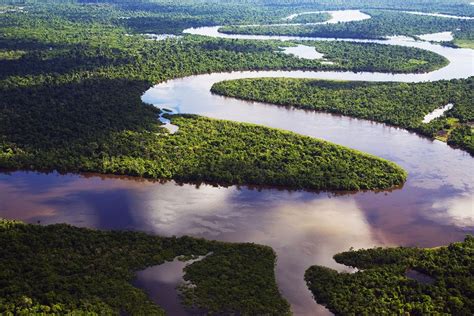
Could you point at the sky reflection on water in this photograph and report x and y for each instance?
(304, 228)
(433, 208)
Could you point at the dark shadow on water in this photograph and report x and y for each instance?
(33, 181)
(106, 209)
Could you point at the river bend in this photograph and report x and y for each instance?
(434, 207)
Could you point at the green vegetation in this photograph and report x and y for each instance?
(60, 269)
(11, 54)
(116, 133)
(380, 25)
(174, 17)
(71, 76)
(468, 43)
(52, 44)
(231, 10)
(71, 103)
(311, 18)
(462, 136)
(248, 272)
(382, 287)
(373, 57)
(399, 104)
(56, 49)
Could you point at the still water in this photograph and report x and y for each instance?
(302, 51)
(434, 207)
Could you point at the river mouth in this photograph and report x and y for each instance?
(304, 228)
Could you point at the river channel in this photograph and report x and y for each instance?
(433, 208)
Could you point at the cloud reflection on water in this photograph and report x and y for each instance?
(458, 211)
(304, 228)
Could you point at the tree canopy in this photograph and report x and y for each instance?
(383, 285)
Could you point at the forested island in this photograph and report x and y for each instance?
(382, 24)
(203, 149)
(443, 282)
(61, 269)
(373, 57)
(398, 104)
(76, 90)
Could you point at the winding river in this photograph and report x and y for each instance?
(434, 207)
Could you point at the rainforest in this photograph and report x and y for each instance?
(73, 270)
(381, 24)
(384, 286)
(210, 157)
(398, 104)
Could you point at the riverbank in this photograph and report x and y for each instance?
(382, 287)
(404, 105)
(302, 227)
(65, 269)
(222, 152)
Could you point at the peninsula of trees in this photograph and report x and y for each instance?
(61, 269)
(398, 104)
(71, 82)
(442, 281)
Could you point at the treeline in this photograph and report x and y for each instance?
(60, 269)
(380, 25)
(383, 287)
(398, 104)
(311, 18)
(173, 17)
(54, 45)
(52, 42)
(462, 136)
(70, 102)
(102, 126)
(203, 7)
(379, 58)
(159, 17)
(248, 272)
(460, 7)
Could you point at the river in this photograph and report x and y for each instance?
(433, 208)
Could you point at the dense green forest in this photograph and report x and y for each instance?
(46, 42)
(247, 269)
(245, 9)
(373, 57)
(311, 18)
(116, 133)
(382, 287)
(71, 76)
(60, 269)
(162, 16)
(398, 104)
(70, 102)
(380, 25)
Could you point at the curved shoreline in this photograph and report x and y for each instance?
(440, 15)
(294, 224)
(269, 115)
(433, 114)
